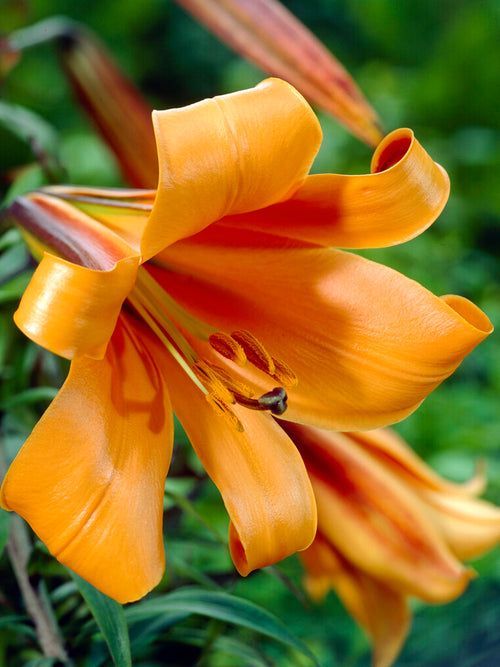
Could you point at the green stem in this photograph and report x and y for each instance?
(18, 550)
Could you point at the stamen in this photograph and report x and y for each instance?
(274, 401)
(214, 385)
(219, 387)
(228, 348)
(225, 411)
(165, 340)
(234, 385)
(140, 296)
(283, 374)
(256, 353)
(199, 329)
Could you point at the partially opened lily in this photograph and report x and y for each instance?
(388, 528)
(217, 296)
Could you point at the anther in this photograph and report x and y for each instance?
(283, 374)
(256, 353)
(225, 411)
(228, 347)
(213, 382)
(232, 383)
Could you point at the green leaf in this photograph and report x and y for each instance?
(13, 289)
(28, 396)
(28, 126)
(29, 179)
(144, 633)
(41, 662)
(223, 607)
(110, 618)
(245, 653)
(13, 260)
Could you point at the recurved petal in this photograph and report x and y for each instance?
(230, 154)
(374, 520)
(387, 446)
(90, 478)
(380, 610)
(403, 195)
(366, 343)
(72, 310)
(470, 526)
(258, 472)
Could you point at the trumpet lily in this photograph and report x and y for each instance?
(217, 296)
(388, 528)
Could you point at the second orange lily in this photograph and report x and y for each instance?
(388, 528)
(218, 296)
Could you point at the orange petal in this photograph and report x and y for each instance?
(229, 154)
(90, 478)
(374, 520)
(56, 226)
(395, 454)
(366, 343)
(268, 34)
(403, 196)
(470, 526)
(71, 310)
(258, 472)
(380, 610)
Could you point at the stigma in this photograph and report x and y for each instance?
(223, 384)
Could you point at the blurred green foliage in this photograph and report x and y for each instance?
(432, 65)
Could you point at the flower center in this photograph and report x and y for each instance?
(168, 320)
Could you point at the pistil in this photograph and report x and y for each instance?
(221, 389)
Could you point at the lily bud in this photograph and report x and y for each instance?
(269, 35)
(117, 108)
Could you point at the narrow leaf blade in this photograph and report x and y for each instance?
(223, 607)
(110, 619)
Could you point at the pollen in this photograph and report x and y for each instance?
(225, 411)
(228, 348)
(283, 374)
(255, 352)
(234, 385)
(214, 385)
(179, 332)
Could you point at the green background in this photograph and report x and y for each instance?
(432, 65)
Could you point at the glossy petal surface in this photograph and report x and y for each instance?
(90, 478)
(379, 526)
(217, 157)
(400, 199)
(71, 310)
(368, 344)
(259, 473)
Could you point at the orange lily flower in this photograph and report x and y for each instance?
(388, 528)
(181, 298)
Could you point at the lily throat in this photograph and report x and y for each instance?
(180, 332)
